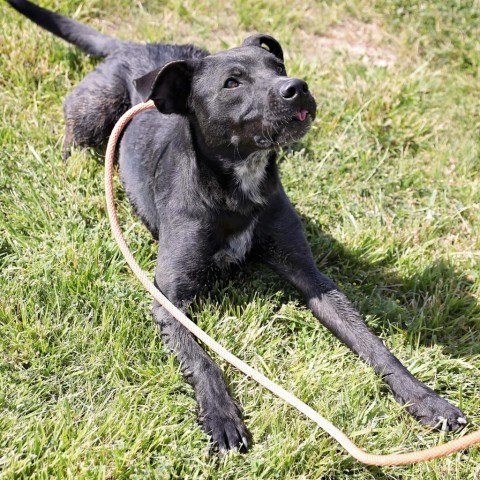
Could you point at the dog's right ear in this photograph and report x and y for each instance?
(260, 39)
(168, 86)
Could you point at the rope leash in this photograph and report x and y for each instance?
(362, 456)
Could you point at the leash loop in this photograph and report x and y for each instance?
(362, 456)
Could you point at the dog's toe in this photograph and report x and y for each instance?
(228, 432)
(431, 409)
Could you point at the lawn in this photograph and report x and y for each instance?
(387, 184)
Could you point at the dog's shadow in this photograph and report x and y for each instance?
(435, 306)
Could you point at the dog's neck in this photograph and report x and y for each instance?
(250, 176)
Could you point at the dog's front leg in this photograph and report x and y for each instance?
(281, 243)
(182, 272)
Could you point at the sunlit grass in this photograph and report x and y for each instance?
(388, 187)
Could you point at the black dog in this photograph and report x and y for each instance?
(201, 173)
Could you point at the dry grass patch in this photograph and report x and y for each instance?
(354, 38)
(314, 40)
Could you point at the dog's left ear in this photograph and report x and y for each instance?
(259, 40)
(168, 86)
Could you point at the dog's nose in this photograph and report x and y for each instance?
(292, 88)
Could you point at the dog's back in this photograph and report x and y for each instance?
(95, 105)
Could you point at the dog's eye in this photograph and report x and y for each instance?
(281, 70)
(231, 83)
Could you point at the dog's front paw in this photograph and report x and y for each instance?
(225, 426)
(431, 409)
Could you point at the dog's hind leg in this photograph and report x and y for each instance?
(183, 271)
(93, 107)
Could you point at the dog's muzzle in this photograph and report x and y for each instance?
(295, 93)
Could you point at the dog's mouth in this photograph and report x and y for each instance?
(279, 132)
(301, 116)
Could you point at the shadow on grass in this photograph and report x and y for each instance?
(434, 306)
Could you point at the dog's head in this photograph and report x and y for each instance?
(240, 98)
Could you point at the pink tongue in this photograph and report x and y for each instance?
(301, 115)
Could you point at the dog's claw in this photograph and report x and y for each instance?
(431, 409)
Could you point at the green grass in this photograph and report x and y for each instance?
(387, 183)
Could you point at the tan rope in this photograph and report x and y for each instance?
(368, 458)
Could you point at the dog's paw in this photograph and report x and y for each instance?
(226, 428)
(431, 409)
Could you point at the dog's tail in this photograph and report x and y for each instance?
(89, 40)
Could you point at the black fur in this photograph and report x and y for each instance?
(201, 173)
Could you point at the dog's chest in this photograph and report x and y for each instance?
(250, 174)
(235, 247)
